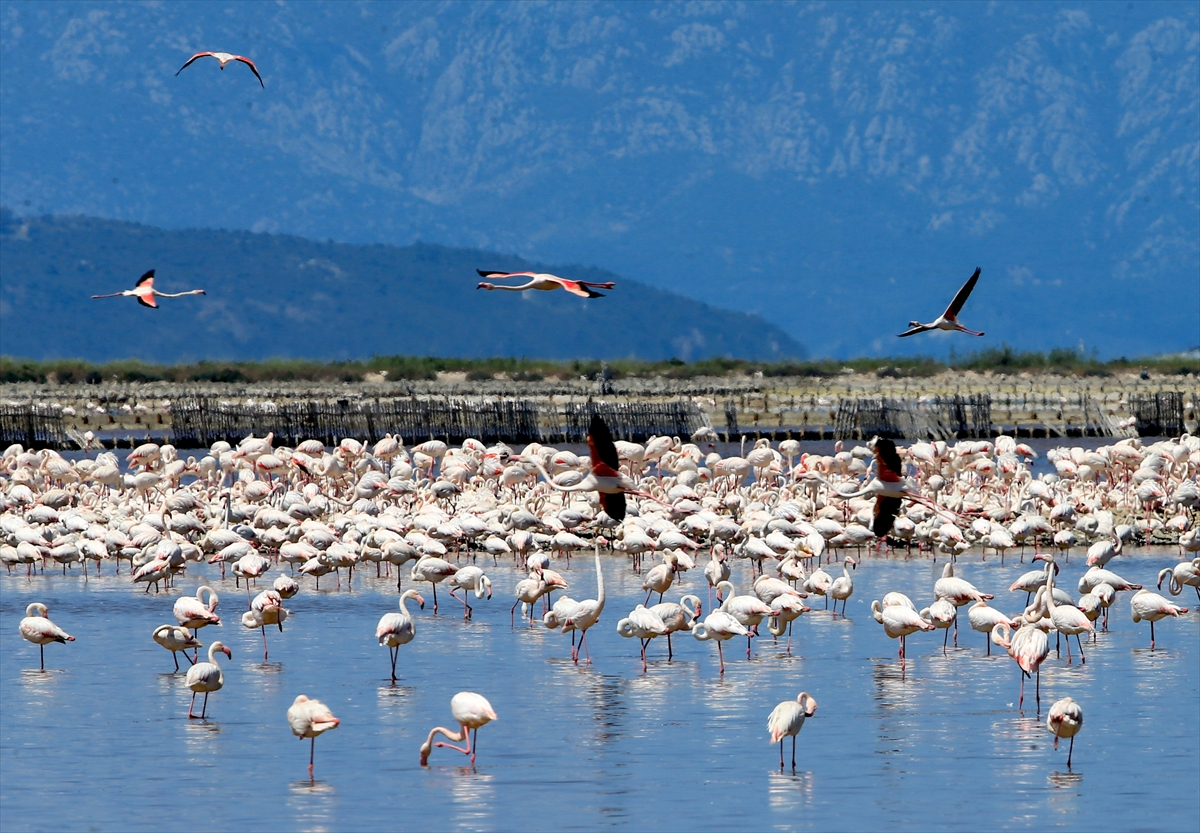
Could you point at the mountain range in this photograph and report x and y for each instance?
(836, 168)
(271, 295)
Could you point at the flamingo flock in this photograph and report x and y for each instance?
(467, 516)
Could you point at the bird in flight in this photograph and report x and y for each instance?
(541, 280)
(145, 292)
(949, 318)
(224, 58)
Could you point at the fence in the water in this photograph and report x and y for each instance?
(1158, 414)
(31, 426)
(199, 422)
(938, 418)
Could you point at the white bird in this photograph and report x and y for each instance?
(176, 638)
(470, 711)
(309, 718)
(396, 629)
(1148, 605)
(224, 58)
(1064, 721)
(206, 677)
(642, 624)
(899, 621)
(788, 719)
(720, 626)
(948, 320)
(587, 613)
(470, 579)
(146, 293)
(39, 630)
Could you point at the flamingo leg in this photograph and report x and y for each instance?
(670, 653)
(1082, 658)
(312, 751)
(1070, 750)
(192, 706)
(264, 636)
(747, 646)
(793, 751)
(1151, 635)
(175, 656)
(721, 657)
(395, 652)
(781, 753)
(204, 706)
(945, 639)
(434, 586)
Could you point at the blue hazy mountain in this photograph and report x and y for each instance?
(838, 169)
(274, 295)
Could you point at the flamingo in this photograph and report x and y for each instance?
(644, 624)
(1145, 604)
(983, 618)
(948, 320)
(40, 631)
(941, 614)
(889, 488)
(1067, 619)
(543, 281)
(433, 570)
(176, 638)
(1064, 721)
(788, 719)
(1184, 573)
(1028, 646)
(195, 612)
(309, 718)
(470, 711)
(957, 592)
(146, 293)
(843, 586)
(206, 677)
(720, 626)
(224, 58)
(266, 609)
(587, 613)
(748, 610)
(678, 617)
(396, 629)
(899, 621)
(470, 579)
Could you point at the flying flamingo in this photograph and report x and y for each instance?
(146, 293)
(39, 630)
(949, 319)
(1064, 721)
(309, 718)
(788, 719)
(206, 677)
(224, 58)
(396, 629)
(470, 711)
(543, 281)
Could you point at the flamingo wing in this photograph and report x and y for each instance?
(886, 509)
(194, 57)
(253, 68)
(961, 298)
(576, 288)
(887, 460)
(601, 445)
(486, 274)
(613, 505)
(147, 279)
(919, 328)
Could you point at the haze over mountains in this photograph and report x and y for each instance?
(838, 169)
(278, 296)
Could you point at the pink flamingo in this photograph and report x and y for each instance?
(224, 58)
(146, 293)
(470, 711)
(948, 320)
(309, 718)
(40, 631)
(543, 281)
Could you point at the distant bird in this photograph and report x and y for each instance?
(146, 293)
(949, 319)
(788, 719)
(470, 711)
(206, 677)
(309, 718)
(224, 58)
(39, 630)
(1064, 721)
(543, 281)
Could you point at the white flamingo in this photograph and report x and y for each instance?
(396, 629)
(307, 719)
(470, 711)
(788, 719)
(206, 677)
(39, 630)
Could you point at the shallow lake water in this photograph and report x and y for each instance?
(101, 740)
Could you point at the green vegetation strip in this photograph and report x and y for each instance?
(1000, 359)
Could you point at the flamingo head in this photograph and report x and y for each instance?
(420, 600)
(485, 285)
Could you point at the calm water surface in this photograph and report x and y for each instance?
(100, 741)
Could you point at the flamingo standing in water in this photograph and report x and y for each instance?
(309, 718)
(788, 719)
(1028, 646)
(396, 629)
(470, 711)
(176, 638)
(1150, 606)
(948, 320)
(206, 677)
(1064, 721)
(543, 281)
(224, 58)
(587, 613)
(146, 293)
(39, 630)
